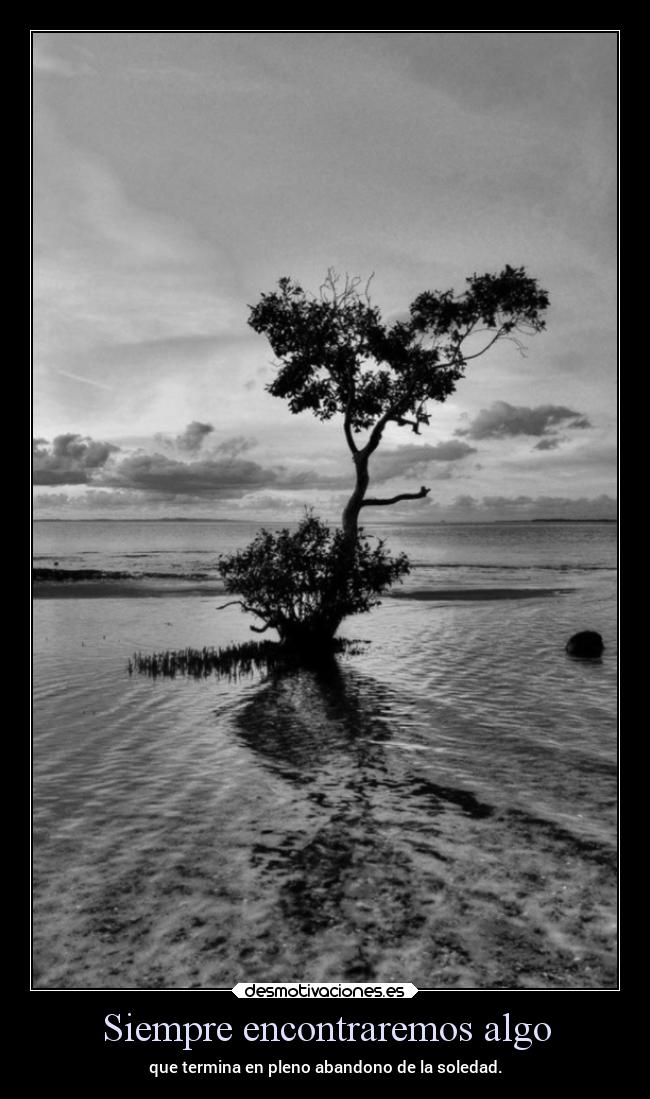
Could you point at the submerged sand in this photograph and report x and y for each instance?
(429, 811)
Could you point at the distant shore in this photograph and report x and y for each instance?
(369, 522)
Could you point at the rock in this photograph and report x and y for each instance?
(587, 643)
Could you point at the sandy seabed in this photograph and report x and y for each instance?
(374, 821)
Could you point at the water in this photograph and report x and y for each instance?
(440, 808)
(188, 548)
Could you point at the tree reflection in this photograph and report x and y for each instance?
(342, 857)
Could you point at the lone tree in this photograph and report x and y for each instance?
(303, 584)
(337, 357)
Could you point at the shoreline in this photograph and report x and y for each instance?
(123, 586)
(127, 588)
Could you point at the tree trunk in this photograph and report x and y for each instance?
(312, 636)
(350, 521)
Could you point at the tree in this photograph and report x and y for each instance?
(336, 356)
(303, 584)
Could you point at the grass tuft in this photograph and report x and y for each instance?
(233, 662)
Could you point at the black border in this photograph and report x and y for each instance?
(67, 1036)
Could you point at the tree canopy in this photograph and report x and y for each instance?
(336, 355)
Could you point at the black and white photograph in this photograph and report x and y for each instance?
(324, 381)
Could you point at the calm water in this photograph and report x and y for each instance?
(441, 808)
(192, 548)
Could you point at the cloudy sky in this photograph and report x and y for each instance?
(178, 175)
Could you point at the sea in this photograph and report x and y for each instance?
(438, 805)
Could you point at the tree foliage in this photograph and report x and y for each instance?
(304, 583)
(336, 355)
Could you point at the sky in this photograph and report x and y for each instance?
(178, 175)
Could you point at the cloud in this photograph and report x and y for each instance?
(86, 381)
(502, 420)
(72, 459)
(192, 438)
(282, 507)
(493, 508)
(550, 507)
(69, 460)
(500, 508)
(235, 446)
(550, 442)
(410, 459)
(466, 502)
(588, 457)
(100, 500)
(279, 507)
(210, 477)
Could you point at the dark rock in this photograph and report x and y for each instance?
(587, 643)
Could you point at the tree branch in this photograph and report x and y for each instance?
(378, 430)
(249, 610)
(245, 606)
(499, 332)
(376, 433)
(349, 437)
(409, 423)
(347, 426)
(477, 354)
(373, 502)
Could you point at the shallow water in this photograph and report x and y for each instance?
(440, 808)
